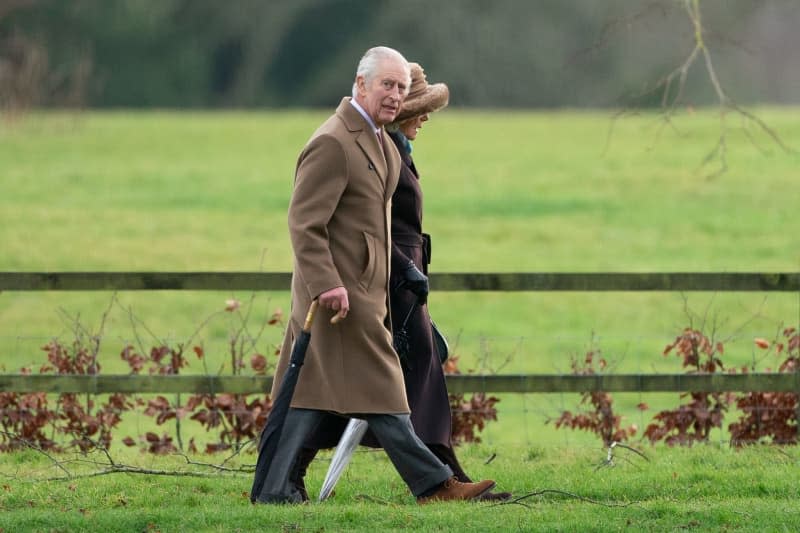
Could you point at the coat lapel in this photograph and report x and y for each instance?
(366, 139)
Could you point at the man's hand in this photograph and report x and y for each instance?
(415, 281)
(335, 299)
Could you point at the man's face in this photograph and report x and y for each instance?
(383, 95)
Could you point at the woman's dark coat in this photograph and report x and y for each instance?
(425, 384)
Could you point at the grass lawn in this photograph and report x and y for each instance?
(704, 488)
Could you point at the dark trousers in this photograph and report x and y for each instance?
(417, 465)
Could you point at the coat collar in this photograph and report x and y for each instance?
(387, 167)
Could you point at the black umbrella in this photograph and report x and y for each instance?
(271, 434)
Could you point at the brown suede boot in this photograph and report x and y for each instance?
(453, 489)
(447, 455)
(298, 473)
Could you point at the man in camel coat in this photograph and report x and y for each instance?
(340, 232)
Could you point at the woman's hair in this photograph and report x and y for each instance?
(370, 61)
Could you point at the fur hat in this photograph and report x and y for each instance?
(422, 98)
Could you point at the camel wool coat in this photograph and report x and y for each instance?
(339, 225)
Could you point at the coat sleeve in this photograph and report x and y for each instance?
(320, 179)
(400, 260)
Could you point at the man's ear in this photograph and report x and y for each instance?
(361, 85)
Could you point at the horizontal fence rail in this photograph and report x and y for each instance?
(521, 383)
(509, 383)
(525, 281)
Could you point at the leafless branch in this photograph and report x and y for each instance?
(520, 499)
(220, 467)
(134, 320)
(486, 354)
(37, 449)
(110, 466)
(672, 87)
(372, 499)
(126, 469)
(609, 460)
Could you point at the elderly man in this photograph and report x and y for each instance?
(339, 224)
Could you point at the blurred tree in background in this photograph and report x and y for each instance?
(279, 53)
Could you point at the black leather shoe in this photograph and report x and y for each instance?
(496, 497)
(298, 473)
(293, 498)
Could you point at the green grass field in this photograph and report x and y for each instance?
(698, 489)
(521, 191)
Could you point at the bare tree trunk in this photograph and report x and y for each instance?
(23, 71)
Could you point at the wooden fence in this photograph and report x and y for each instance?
(514, 383)
(524, 281)
(521, 383)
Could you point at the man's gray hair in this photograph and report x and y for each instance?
(370, 61)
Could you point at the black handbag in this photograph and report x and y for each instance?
(440, 343)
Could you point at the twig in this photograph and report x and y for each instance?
(125, 469)
(609, 460)
(134, 320)
(487, 354)
(373, 499)
(519, 499)
(238, 450)
(36, 449)
(220, 467)
(112, 467)
(673, 84)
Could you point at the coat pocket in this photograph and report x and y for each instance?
(368, 274)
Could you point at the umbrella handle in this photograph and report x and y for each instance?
(310, 316)
(312, 312)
